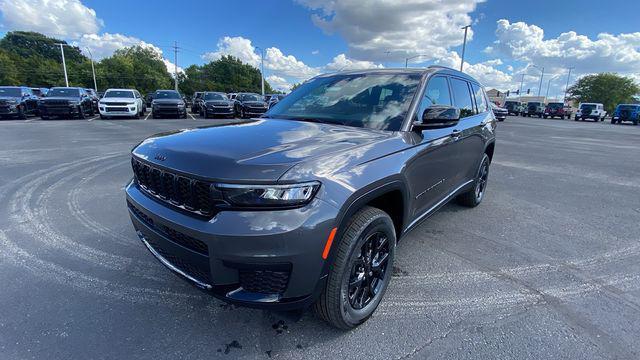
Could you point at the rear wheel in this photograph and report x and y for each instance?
(635, 121)
(474, 196)
(22, 114)
(81, 112)
(361, 270)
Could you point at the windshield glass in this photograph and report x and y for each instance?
(627, 107)
(63, 92)
(376, 101)
(555, 106)
(587, 107)
(214, 96)
(167, 95)
(534, 104)
(251, 97)
(10, 92)
(118, 94)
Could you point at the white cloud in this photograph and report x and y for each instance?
(315, 52)
(238, 47)
(288, 65)
(484, 72)
(524, 42)
(342, 62)
(402, 28)
(106, 44)
(61, 18)
(279, 83)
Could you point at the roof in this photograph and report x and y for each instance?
(420, 71)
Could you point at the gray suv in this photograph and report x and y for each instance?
(305, 205)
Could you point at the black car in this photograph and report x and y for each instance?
(94, 98)
(499, 112)
(304, 206)
(66, 102)
(168, 103)
(17, 102)
(275, 99)
(534, 108)
(196, 102)
(249, 104)
(216, 103)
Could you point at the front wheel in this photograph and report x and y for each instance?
(81, 113)
(474, 196)
(361, 269)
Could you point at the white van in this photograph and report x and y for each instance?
(594, 111)
(121, 103)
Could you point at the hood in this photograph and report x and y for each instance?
(254, 103)
(118, 99)
(219, 102)
(10, 98)
(58, 98)
(256, 150)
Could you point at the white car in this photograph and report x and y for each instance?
(121, 103)
(594, 111)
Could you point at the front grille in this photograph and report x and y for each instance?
(195, 196)
(171, 234)
(117, 109)
(264, 281)
(56, 103)
(197, 272)
(3, 103)
(115, 103)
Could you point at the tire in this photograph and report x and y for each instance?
(22, 115)
(547, 116)
(44, 117)
(335, 305)
(81, 113)
(474, 196)
(242, 114)
(635, 122)
(102, 117)
(206, 114)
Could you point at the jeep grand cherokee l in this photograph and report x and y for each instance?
(66, 102)
(168, 103)
(17, 101)
(304, 206)
(249, 104)
(216, 104)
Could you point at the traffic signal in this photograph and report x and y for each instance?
(528, 91)
(518, 92)
(508, 93)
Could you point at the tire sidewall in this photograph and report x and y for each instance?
(352, 316)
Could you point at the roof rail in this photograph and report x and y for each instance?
(441, 67)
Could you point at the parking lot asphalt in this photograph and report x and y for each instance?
(547, 267)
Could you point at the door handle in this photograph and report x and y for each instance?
(456, 134)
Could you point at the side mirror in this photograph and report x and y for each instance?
(438, 117)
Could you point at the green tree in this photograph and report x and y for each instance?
(606, 88)
(137, 67)
(227, 74)
(8, 69)
(295, 86)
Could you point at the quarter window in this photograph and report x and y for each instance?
(462, 97)
(478, 93)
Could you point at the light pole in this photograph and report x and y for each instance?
(549, 84)
(64, 64)
(541, 76)
(564, 100)
(93, 70)
(406, 60)
(464, 45)
(521, 83)
(261, 68)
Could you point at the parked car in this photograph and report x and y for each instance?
(196, 103)
(568, 111)
(249, 104)
(216, 103)
(149, 99)
(275, 99)
(100, 94)
(534, 108)
(556, 109)
(122, 103)
(232, 96)
(168, 103)
(17, 102)
(626, 112)
(305, 205)
(513, 107)
(66, 102)
(94, 98)
(499, 112)
(594, 111)
(40, 92)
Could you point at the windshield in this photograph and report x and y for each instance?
(118, 94)
(587, 107)
(167, 95)
(214, 96)
(555, 106)
(627, 107)
(63, 92)
(534, 104)
(376, 101)
(251, 97)
(10, 92)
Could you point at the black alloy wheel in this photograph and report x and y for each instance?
(473, 197)
(481, 182)
(368, 269)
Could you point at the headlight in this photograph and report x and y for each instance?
(269, 195)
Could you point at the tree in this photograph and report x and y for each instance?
(137, 67)
(295, 86)
(606, 88)
(8, 70)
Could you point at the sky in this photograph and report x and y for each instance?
(302, 38)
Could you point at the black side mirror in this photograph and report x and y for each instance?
(438, 117)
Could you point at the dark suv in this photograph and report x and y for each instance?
(168, 103)
(66, 102)
(554, 109)
(250, 104)
(534, 108)
(305, 205)
(626, 112)
(17, 101)
(216, 104)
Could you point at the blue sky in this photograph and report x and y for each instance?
(304, 37)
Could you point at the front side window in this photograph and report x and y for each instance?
(374, 100)
(462, 97)
(478, 93)
(64, 92)
(436, 93)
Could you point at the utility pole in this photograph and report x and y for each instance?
(521, 83)
(261, 68)
(464, 45)
(64, 65)
(540, 86)
(548, 84)
(93, 70)
(567, 87)
(175, 63)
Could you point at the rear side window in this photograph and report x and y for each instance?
(462, 97)
(478, 93)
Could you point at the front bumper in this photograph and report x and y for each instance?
(254, 111)
(279, 253)
(58, 111)
(118, 110)
(168, 111)
(220, 110)
(9, 110)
